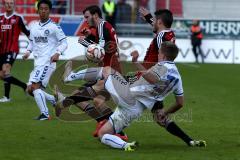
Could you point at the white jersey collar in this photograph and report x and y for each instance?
(43, 24)
(169, 62)
(7, 17)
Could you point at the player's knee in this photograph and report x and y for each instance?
(101, 133)
(35, 86)
(98, 101)
(29, 90)
(6, 69)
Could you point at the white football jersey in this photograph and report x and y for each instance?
(45, 40)
(169, 81)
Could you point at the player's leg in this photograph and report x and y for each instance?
(200, 51)
(40, 101)
(107, 133)
(172, 127)
(39, 78)
(194, 49)
(7, 62)
(89, 74)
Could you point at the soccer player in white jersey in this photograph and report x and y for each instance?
(154, 85)
(47, 42)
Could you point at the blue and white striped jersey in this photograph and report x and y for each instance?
(169, 81)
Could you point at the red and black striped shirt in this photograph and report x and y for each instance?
(11, 27)
(151, 57)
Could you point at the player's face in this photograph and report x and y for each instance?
(89, 18)
(9, 5)
(156, 25)
(44, 12)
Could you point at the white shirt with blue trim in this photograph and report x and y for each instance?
(46, 39)
(169, 81)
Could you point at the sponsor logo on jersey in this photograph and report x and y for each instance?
(46, 32)
(13, 21)
(41, 39)
(6, 26)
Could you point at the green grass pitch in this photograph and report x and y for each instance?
(211, 112)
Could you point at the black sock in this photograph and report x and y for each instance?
(77, 98)
(104, 116)
(94, 113)
(7, 87)
(10, 79)
(84, 94)
(175, 130)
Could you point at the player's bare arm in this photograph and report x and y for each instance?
(147, 75)
(146, 15)
(179, 100)
(55, 57)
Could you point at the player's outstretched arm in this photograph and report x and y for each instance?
(175, 107)
(146, 15)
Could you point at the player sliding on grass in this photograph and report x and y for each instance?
(161, 23)
(132, 99)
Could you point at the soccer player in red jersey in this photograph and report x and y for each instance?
(96, 30)
(11, 26)
(161, 24)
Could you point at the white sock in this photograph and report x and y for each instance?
(49, 98)
(89, 74)
(41, 101)
(113, 141)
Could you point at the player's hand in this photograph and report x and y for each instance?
(161, 117)
(143, 12)
(135, 56)
(26, 55)
(86, 31)
(55, 57)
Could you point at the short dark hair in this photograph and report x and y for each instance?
(93, 9)
(169, 49)
(48, 2)
(166, 16)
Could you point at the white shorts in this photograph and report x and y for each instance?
(41, 74)
(124, 115)
(128, 107)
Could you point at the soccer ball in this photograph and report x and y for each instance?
(95, 53)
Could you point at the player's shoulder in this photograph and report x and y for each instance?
(166, 35)
(105, 25)
(55, 25)
(18, 15)
(166, 32)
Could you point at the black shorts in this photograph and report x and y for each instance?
(7, 58)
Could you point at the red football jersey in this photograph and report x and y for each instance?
(151, 57)
(106, 36)
(11, 27)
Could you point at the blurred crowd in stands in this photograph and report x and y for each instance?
(123, 11)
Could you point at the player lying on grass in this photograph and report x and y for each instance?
(132, 99)
(161, 23)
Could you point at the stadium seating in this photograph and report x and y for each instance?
(174, 5)
(81, 4)
(211, 9)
